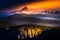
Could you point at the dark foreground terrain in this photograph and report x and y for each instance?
(12, 34)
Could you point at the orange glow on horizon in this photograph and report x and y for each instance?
(44, 5)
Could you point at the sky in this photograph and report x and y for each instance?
(9, 3)
(6, 4)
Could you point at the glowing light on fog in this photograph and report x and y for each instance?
(31, 12)
(27, 12)
(31, 32)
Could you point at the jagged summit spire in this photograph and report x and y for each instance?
(25, 8)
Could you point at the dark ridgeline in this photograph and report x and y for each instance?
(24, 9)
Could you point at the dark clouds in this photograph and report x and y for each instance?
(9, 3)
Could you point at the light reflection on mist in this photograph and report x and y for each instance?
(31, 32)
